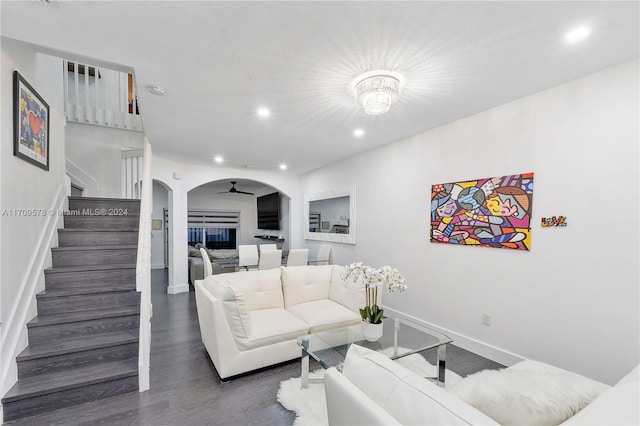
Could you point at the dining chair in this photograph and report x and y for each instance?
(298, 257)
(247, 256)
(324, 255)
(208, 269)
(270, 259)
(265, 247)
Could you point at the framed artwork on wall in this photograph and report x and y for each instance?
(31, 123)
(488, 212)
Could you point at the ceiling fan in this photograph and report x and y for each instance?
(233, 189)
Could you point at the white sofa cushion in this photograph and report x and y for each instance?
(347, 293)
(324, 314)
(260, 289)
(618, 405)
(233, 305)
(302, 284)
(528, 393)
(406, 396)
(269, 326)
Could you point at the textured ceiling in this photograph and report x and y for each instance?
(220, 61)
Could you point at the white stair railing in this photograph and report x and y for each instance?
(143, 270)
(100, 96)
(131, 168)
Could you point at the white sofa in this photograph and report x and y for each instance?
(373, 390)
(252, 319)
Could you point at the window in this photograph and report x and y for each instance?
(216, 229)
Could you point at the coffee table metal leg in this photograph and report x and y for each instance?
(396, 332)
(441, 362)
(304, 375)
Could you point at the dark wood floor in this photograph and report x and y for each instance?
(185, 388)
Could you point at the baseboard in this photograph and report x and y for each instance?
(491, 352)
(157, 266)
(175, 289)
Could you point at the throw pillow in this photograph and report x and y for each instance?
(533, 394)
(194, 252)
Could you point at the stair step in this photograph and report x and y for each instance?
(96, 237)
(68, 317)
(46, 328)
(102, 222)
(71, 352)
(93, 255)
(92, 203)
(90, 275)
(79, 291)
(48, 392)
(69, 300)
(90, 268)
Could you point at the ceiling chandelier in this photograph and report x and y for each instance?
(375, 91)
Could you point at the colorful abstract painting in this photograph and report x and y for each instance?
(31, 124)
(489, 212)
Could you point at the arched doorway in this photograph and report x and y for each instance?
(232, 210)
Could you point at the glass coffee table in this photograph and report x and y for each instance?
(399, 339)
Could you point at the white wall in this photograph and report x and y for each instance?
(572, 300)
(26, 240)
(94, 154)
(160, 202)
(181, 178)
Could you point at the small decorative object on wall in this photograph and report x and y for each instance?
(548, 222)
(325, 224)
(31, 123)
(488, 212)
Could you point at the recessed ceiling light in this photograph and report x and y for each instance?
(283, 167)
(155, 89)
(358, 133)
(263, 112)
(218, 159)
(577, 34)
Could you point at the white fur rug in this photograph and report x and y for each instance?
(310, 405)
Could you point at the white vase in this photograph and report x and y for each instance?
(371, 332)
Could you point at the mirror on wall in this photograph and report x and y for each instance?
(331, 215)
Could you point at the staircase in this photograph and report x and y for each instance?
(83, 344)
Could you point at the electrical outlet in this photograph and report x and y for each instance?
(486, 319)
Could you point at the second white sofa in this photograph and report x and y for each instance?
(373, 390)
(252, 319)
